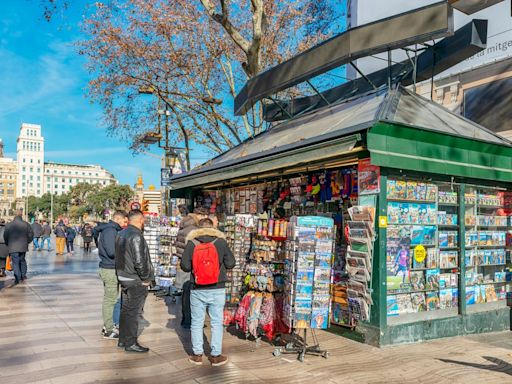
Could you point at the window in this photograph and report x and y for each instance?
(63, 179)
(24, 169)
(23, 191)
(31, 177)
(31, 169)
(63, 186)
(38, 185)
(62, 172)
(38, 178)
(38, 161)
(38, 191)
(56, 186)
(47, 186)
(23, 160)
(69, 172)
(31, 160)
(23, 177)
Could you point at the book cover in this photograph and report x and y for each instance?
(445, 298)
(490, 293)
(470, 295)
(432, 301)
(418, 302)
(404, 303)
(417, 280)
(392, 305)
(432, 278)
(455, 297)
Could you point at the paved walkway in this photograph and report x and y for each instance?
(50, 333)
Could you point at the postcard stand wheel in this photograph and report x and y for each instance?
(301, 347)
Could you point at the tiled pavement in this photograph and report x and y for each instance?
(49, 333)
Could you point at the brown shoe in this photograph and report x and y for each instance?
(217, 361)
(196, 359)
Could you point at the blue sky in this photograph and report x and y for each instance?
(42, 81)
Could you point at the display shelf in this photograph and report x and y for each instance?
(425, 245)
(447, 204)
(449, 248)
(490, 283)
(490, 246)
(456, 269)
(397, 200)
(448, 226)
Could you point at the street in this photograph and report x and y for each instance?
(50, 333)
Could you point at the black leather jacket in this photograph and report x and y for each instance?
(132, 255)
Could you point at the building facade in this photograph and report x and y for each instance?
(8, 179)
(30, 159)
(60, 177)
(35, 177)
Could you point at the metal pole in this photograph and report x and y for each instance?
(51, 201)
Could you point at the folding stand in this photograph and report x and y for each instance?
(300, 346)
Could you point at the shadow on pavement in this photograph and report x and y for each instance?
(497, 365)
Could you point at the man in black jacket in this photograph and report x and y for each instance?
(105, 237)
(17, 236)
(135, 273)
(37, 229)
(210, 297)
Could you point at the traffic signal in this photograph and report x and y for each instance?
(145, 205)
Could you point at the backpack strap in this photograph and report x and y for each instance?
(195, 241)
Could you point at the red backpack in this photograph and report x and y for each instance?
(205, 263)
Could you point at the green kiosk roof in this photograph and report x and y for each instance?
(404, 130)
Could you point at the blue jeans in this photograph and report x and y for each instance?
(45, 239)
(117, 312)
(212, 300)
(19, 266)
(36, 243)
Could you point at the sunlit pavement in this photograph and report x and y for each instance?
(50, 333)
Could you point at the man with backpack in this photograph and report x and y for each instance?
(207, 256)
(70, 238)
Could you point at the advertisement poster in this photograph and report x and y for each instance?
(368, 177)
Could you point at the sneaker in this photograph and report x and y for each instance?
(217, 361)
(196, 359)
(109, 334)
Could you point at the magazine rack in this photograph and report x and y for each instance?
(300, 346)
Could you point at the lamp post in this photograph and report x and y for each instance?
(170, 152)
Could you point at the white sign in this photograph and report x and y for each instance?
(499, 34)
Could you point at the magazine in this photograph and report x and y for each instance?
(432, 301)
(418, 302)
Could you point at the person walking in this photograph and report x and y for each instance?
(70, 239)
(38, 232)
(17, 236)
(60, 234)
(4, 250)
(135, 273)
(208, 257)
(188, 224)
(106, 239)
(87, 236)
(46, 235)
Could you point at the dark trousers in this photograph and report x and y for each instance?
(19, 266)
(87, 246)
(133, 297)
(69, 245)
(186, 314)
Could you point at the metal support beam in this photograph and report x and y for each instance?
(318, 93)
(363, 75)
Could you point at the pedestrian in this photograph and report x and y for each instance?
(135, 274)
(70, 238)
(187, 224)
(38, 232)
(208, 257)
(106, 239)
(4, 250)
(17, 236)
(60, 234)
(46, 235)
(87, 235)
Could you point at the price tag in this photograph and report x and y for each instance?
(383, 221)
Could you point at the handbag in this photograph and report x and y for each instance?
(8, 264)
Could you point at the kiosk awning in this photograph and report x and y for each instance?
(290, 159)
(402, 147)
